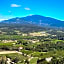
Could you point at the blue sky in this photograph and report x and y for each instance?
(20, 8)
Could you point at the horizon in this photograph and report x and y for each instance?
(12, 9)
(29, 15)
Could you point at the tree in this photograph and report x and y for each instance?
(4, 60)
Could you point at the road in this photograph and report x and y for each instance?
(9, 52)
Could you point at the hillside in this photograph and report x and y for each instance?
(36, 20)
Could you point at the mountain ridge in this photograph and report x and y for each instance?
(37, 20)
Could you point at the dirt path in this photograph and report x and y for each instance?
(9, 52)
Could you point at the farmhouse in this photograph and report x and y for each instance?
(48, 59)
(20, 48)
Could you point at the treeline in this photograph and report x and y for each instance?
(25, 28)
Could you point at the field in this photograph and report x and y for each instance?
(29, 49)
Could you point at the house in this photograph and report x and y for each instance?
(8, 60)
(48, 59)
(34, 40)
(24, 34)
(20, 48)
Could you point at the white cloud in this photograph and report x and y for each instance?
(27, 8)
(15, 5)
(3, 19)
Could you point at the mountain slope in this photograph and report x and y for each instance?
(37, 20)
(47, 21)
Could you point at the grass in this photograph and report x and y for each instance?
(26, 52)
(33, 60)
(15, 55)
(6, 44)
(8, 37)
(58, 53)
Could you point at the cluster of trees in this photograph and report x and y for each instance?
(8, 48)
(25, 28)
(3, 60)
(50, 47)
(55, 60)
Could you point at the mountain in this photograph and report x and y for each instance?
(36, 20)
